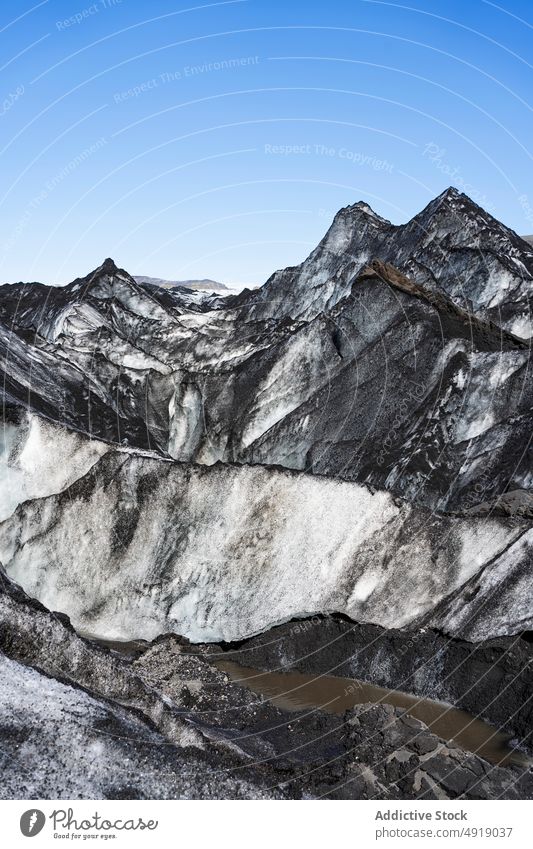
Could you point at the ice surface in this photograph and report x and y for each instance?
(220, 553)
(38, 458)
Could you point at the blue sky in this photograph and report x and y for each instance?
(218, 139)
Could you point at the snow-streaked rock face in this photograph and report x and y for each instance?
(415, 397)
(452, 246)
(138, 547)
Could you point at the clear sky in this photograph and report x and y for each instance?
(200, 139)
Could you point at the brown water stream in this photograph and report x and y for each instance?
(297, 691)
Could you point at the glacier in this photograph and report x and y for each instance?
(138, 546)
(331, 473)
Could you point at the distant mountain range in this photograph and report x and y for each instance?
(205, 285)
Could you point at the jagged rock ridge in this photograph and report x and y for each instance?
(452, 246)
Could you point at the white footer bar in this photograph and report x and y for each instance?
(241, 825)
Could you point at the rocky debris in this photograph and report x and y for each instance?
(492, 679)
(46, 641)
(373, 751)
(59, 742)
(167, 734)
(403, 756)
(228, 712)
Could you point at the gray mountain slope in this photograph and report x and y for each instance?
(351, 439)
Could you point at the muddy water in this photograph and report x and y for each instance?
(128, 648)
(296, 691)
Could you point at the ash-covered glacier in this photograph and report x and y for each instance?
(138, 546)
(392, 383)
(352, 440)
(343, 370)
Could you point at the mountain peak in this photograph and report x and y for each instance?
(97, 278)
(450, 199)
(358, 209)
(108, 266)
(451, 193)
